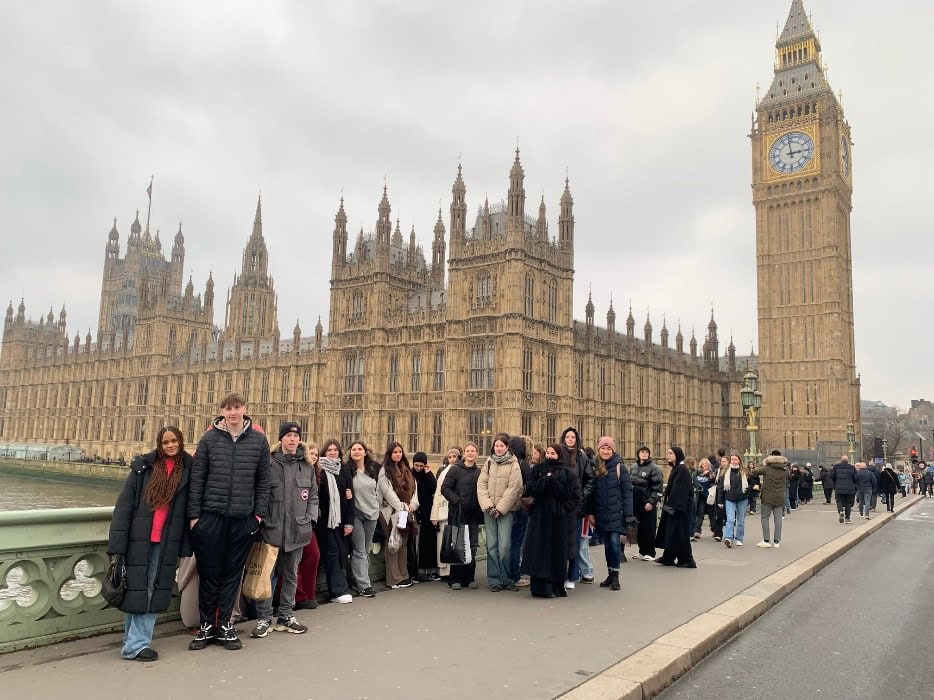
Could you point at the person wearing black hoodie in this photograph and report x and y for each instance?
(647, 486)
(674, 529)
(519, 445)
(578, 462)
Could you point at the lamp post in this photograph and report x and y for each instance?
(885, 450)
(751, 399)
(851, 440)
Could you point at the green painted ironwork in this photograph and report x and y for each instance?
(51, 564)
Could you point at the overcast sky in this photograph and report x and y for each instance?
(647, 106)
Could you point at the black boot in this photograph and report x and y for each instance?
(614, 583)
(605, 583)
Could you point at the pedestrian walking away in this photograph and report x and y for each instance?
(843, 475)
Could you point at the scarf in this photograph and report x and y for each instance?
(507, 455)
(331, 468)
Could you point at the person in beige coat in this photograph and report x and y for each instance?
(439, 508)
(498, 491)
(397, 492)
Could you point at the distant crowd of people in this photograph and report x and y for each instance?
(541, 508)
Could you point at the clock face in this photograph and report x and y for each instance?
(791, 152)
(845, 155)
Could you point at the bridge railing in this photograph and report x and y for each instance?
(51, 565)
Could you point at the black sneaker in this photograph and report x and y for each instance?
(227, 638)
(368, 592)
(290, 624)
(310, 604)
(587, 579)
(434, 577)
(261, 629)
(402, 584)
(147, 654)
(205, 636)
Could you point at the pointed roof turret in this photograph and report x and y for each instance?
(611, 315)
(516, 195)
(798, 68)
(566, 218)
(397, 235)
(257, 220)
(647, 328)
(50, 319)
(589, 310)
(439, 226)
(797, 26)
(664, 332)
(190, 288)
(679, 340)
(179, 238)
(156, 243)
(630, 322)
(114, 234)
(297, 331)
(136, 228)
(693, 344)
(21, 310)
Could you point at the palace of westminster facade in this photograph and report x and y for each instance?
(477, 341)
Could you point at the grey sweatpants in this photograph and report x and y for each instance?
(775, 512)
(287, 568)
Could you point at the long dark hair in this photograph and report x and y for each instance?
(401, 479)
(162, 486)
(370, 467)
(327, 444)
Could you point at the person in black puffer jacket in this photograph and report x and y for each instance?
(149, 532)
(611, 506)
(460, 490)
(647, 487)
(228, 498)
(843, 476)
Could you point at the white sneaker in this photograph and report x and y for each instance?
(764, 545)
(346, 598)
(728, 542)
(569, 584)
(738, 543)
(648, 557)
(775, 545)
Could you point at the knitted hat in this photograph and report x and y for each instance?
(420, 457)
(290, 427)
(607, 442)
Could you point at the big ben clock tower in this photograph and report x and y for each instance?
(802, 185)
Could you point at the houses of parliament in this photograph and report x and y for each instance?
(478, 339)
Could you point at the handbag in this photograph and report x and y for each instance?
(261, 560)
(455, 542)
(394, 543)
(632, 533)
(712, 496)
(113, 585)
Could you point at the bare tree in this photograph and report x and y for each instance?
(895, 431)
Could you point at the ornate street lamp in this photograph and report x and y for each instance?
(885, 450)
(751, 399)
(851, 440)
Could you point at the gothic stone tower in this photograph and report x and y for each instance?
(802, 188)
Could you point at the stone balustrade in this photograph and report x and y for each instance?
(51, 564)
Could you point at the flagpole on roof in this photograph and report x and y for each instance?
(149, 207)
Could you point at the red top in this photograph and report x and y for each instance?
(161, 513)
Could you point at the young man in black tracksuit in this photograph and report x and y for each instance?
(228, 499)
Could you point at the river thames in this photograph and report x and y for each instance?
(27, 493)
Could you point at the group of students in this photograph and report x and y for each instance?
(540, 506)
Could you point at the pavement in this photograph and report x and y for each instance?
(859, 629)
(429, 641)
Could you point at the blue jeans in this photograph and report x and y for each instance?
(138, 627)
(581, 566)
(735, 527)
(611, 549)
(498, 544)
(520, 524)
(865, 501)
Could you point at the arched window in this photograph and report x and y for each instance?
(529, 295)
